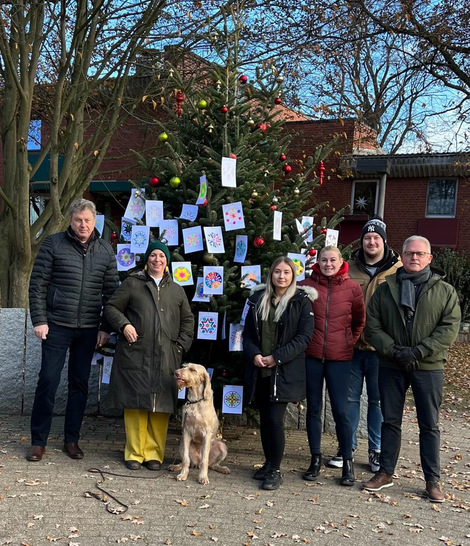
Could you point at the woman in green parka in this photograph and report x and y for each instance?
(153, 317)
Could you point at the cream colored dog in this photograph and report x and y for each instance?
(200, 448)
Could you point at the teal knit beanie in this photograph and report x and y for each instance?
(154, 245)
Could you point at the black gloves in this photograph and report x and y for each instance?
(407, 357)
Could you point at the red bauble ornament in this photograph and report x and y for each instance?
(233, 156)
(282, 157)
(154, 181)
(179, 102)
(258, 242)
(286, 168)
(224, 374)
(312, 252)
(243, 79)
(277, 100)
(204, 204)
(114, 236)
(262, 127)
(323, 231)
(224, 109)
(273, 207)
(322, 170)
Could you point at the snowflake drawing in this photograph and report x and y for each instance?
(137, 207)
(125, 257)
(232, 399)
(193, 240)
(361, 203)
(169, 234)
(213, 280)
(207, 325)
(127, 228)
(233, 215)
(299, 266)
(140, 239)
(182, 274)
(214, 240)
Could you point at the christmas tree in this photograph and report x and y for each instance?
(227, 130)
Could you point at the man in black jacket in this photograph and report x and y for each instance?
(73, 276)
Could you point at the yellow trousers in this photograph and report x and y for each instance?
(146, 433)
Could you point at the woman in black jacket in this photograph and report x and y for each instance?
(278, 328)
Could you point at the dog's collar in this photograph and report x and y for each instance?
(194, 401)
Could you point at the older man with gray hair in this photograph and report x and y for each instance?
(412, 320)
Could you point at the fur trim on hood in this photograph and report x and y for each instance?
(310, 292)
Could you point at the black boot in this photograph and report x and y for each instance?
(262, 472)
(313, 469)
(348, 473)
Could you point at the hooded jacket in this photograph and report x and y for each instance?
(339, 315)
(295, 329)
(70, 285)
(142, 376)
(435, 326)
(358, 273)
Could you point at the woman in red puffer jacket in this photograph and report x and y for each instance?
(339, 320)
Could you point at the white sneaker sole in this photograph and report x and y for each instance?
(375, 489)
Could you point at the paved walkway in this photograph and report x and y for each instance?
(55, 501)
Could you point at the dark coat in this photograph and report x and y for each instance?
(340, 315)
(142, 376)
(69, 286)
(295, 329)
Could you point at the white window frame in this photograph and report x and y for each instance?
(451, 179)
(353, 192)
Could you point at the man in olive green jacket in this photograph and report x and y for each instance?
(412, 320)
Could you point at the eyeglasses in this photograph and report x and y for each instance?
(409, 254)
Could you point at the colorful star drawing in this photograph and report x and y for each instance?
(299, 266)
(125, 257)
(140, 239)
(182, 274)
(213, 280)
(232, 399)
(207, 325)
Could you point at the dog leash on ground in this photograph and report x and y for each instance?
(105, 494)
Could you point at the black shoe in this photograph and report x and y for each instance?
(313, 469)
(262, 472)
(272, 481)
(132, 465)
(348, 473)
(153, 464)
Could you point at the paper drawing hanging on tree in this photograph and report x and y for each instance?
(136, 206)
(223, 329)
(139, 239)
(199, 294)
(207, 325)
(244, 312)
(299, 262)
(235, 341)
(126, 229)
(213, 279)
(99, 223)
(106, 371)
(189, 212)
(232, 399)
(229, 170)
(192, 239)
(153, 212)
(202, 190)
(277, 225)
(182, 273)
(233, 216)
(169, 232)
(331, 237)
(241, 248)
(251, 275)
(181, 393)
(125, 259)
(307, 224)
(214, 239)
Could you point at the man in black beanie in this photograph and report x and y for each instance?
(369, 265)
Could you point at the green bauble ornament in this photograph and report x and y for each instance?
(162, 137)
(175, 182)
(202, 104)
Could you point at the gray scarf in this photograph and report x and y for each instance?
(410, 286)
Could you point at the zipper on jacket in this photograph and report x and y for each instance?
(79, 312)
(327, 311)
(154, 402)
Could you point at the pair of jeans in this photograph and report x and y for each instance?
(427, 391)
(336, 375)
(365, 367)
(80, 342)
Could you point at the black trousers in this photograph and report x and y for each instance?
(271, 415)
(81, 343)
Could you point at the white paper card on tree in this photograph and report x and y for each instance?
(331, 237)
(192, 239)
(189, 212)
(182, 273)
(299, 262)
(307, 224)
(207, 325)
(223, 331)
(126, 229)
(251, 275)
(139, 239)
(99, 223)
(214, 239)
(213, 276)
(277, 225)
(232, 399)
(235, 341)
(202, 190)
(233, 216)
(210, 371)
(153, 212)
(199, 293)
(125, 258)
(182, 393)
(169, 232)
(106, 371)
(244, 312)
(229, 172)
(241, 248)
(136, 206)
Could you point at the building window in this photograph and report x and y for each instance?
(442, 198)
(364, 197)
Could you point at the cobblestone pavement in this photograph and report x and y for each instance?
(56, 500)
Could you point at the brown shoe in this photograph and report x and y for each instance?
(434, 492)
(378, 482)
(73, 451)
(35, 453)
